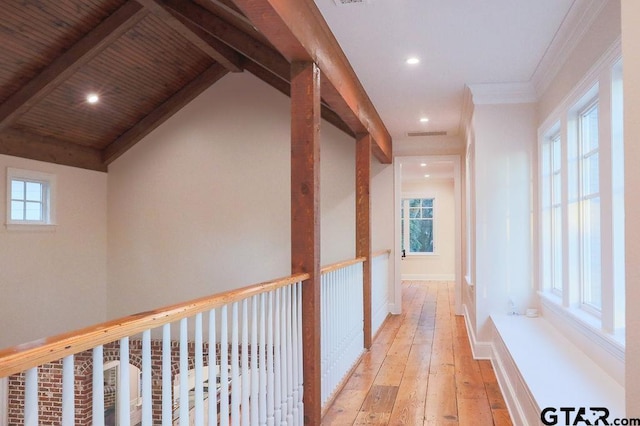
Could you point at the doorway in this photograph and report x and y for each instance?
(428, 221)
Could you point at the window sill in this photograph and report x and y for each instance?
(24, 227)
(584, 330)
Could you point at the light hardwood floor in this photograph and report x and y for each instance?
(420, 370)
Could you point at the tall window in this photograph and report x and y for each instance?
(417, 225)
(582, 206)
(590, 241)
(551, 200)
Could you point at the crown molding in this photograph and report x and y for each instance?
(503, 93)
(574, 26)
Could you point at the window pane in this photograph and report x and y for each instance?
(591, 253)
(421, 235)
(557, 154)
(557, 188)
(17, 210)
(414, 202)
(34, 191)
(17, 190)
(589, 129)
(427, 202)
(590, 175)
(414, 212)
(557, 249)
(33, 211)
(427, 213)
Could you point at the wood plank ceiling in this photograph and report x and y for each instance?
(146, 59)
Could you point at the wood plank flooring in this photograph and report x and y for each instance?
(420, 370)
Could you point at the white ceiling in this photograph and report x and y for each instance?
(459, 42)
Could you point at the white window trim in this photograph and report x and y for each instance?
(596, 337)
(422, 195)
(49, 224)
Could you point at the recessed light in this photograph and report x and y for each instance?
(93, 98)
(427, 176)
(413, 60)
(424, 120)
(423, 164)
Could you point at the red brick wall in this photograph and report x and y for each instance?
(50, 382)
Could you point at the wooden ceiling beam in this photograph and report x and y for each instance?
(248, 46)
(161, 114)
(70, 61)
(299, 32)
(35, 147)
(213, 47)
(284, 87)
(264, 62)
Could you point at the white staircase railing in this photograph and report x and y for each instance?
(379, 289)
(341, 319)
(237, 360)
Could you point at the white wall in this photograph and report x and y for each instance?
(54, 281)
(441, 265)
(202, 204)
(630, 49)
(505, 140)
(603, 32)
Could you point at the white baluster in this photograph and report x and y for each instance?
(300, 356)
(98, 386)
(235, 371)
(294, 353)
(31, 397)
(244, 371)
(277, 362)
(147, 404)
(289, 361)
(184, 374)
(68, 391)
(271, 404)
(199, 392)
(167, 402)
(224, 367)
(213, 406)
(255, 350)
(124, 393)
(262, 362)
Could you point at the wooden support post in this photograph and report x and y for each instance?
(305, 222)
(363, 226)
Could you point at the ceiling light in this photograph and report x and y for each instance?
(427, 176)
(413, 60)
(424, 120)
(92, 98)
(423, 164)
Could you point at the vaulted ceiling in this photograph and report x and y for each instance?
(145, 59)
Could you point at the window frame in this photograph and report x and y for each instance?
(605, 328)
(404, 215)
(48, 182)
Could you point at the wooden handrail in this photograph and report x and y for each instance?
(29, 355)
(380, 253)
(339, 265)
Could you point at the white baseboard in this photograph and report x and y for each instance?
(393, 309)
(516, 412)
(428, 277)
(480, 350)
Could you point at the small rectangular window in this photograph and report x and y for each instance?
(417, 225)
(30, 197)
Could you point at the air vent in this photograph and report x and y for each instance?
(346, 2)
(440, 133)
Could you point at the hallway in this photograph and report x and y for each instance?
(420, 370)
